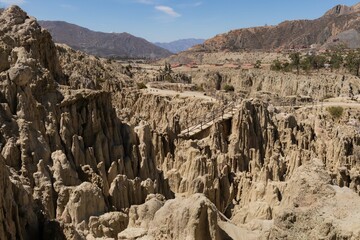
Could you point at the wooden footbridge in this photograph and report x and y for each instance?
(202, 123)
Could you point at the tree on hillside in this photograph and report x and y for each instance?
(305, 64)
(318, 61)
(336, 60)
(353, 62)
(287, 67)
(276, 65)
(295, 61)
(167, 68)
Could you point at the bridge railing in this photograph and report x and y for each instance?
(200, 122)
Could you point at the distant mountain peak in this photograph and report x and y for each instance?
(340, 9)
(119, 45)
(180, 45)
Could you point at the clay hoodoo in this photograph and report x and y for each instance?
(86, 154)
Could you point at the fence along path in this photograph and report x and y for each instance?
(197, 125)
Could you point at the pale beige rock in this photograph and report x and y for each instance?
(85, 201)
(63, 171)
(108, 225)
(186, 218)
(43, 190)
(20, 75)
(142, 215)
(68, 156)
(132, 234)
(312, 207)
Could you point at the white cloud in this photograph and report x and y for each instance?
(167, 10)
(12, 2)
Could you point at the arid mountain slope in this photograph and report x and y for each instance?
(340, 24)
(121, 45)
(179, 45)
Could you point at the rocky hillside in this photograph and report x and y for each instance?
(118, 45)
(72, 168)
(180, 45)
(340, 24)
(59, 140)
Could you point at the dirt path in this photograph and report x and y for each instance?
(184, 94)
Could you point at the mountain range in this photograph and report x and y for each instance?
(341, 24)
(180, 45)
(117, 45)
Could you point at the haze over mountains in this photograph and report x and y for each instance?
(180, 45)
(118, 45)
(338, 25)
(341, 24)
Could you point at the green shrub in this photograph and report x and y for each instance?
(141, 85)
(99, 79)
(276, 65)
(335, 112)
(229, 88)
(198, 88)
(257, 64)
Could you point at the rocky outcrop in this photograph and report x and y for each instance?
(311, 207)
(191, 218)
(67, 152)
(18, 216)
(71, 168)
(84, 71)
(278, 86)
(108, 225)
(244, 162)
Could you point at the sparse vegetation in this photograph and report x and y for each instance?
(352, 62)
(198, 88)
(336, 60)
(165, 74)
(335, 112)
(276, 65)
(257, 64)
(99, 79)
(141, 85)
(229, 88)
(295, 61)
(305, 62)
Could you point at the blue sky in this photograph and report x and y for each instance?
(167, 20)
